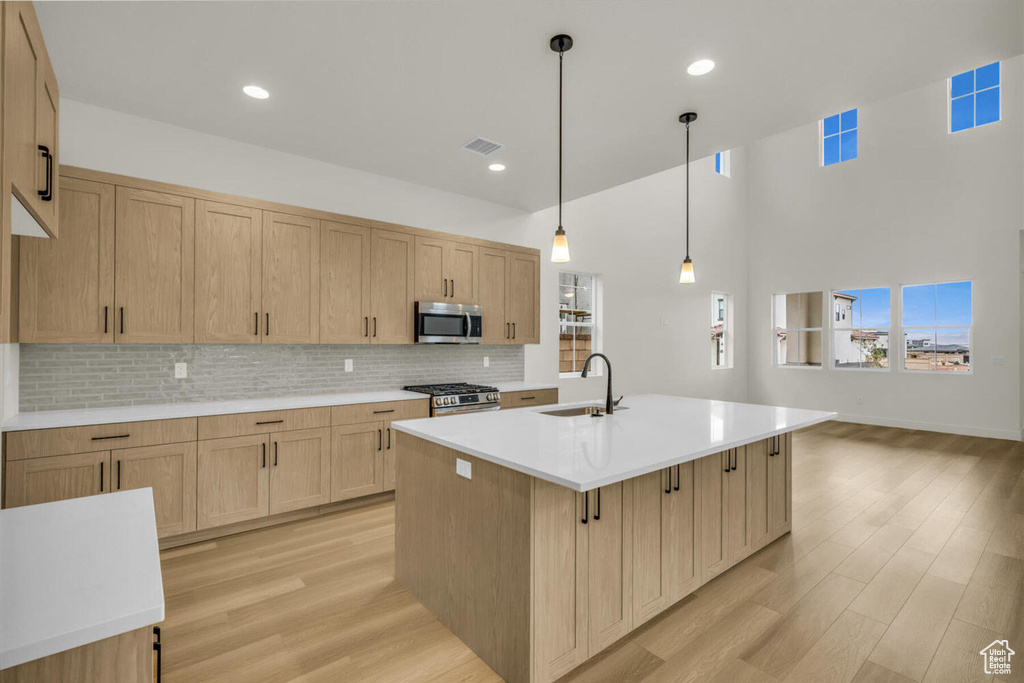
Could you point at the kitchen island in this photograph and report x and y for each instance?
(540, 540)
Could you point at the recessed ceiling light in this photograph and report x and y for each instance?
(497, 167)
(700, 67)
(256, 92)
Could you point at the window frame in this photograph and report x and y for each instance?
(775, 331)
(839, 135)
(727, 330)
(596, 369)
(974, 94)
(833, 328)
(903, 330)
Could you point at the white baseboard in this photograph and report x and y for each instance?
(1011, 434)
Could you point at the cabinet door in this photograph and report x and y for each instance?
(357, 460)
(462, 268)
(524, 298)
(758, 475)
(714, 549)
(392, 257)
(681, 537)
(610, 576)
(228, 273)
(737, 510)
(651, 545)
(170, 470)
(44, 480)
(47, 121)
(780, 486)
(431, 279)
(560, 557)
(344, 283)
(390, 443)
(301, 471)
(234, 481)
(154, 267)
(66, 285)
(291, 279)
(494, 274)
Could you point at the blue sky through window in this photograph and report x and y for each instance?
(839, 138)
(870, 308)
(944, 305)
(974, 98)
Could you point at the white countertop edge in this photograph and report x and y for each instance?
(50, 419)
(408, 426)
(82, 636)
(524, 386)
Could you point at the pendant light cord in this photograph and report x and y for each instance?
(687, 190)
(560, 54)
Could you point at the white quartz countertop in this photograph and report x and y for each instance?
(77, 571)
(48, 419)
(583, 453)
(523, 386)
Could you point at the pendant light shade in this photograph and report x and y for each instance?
(686, 274)
(560, 245)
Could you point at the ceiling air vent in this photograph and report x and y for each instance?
(482, 146)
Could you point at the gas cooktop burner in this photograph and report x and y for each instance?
(451, 389)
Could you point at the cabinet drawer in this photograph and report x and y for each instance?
(522, 399)
(38, 443)
(386, 410)
(240, 424)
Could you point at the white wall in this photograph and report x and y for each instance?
(918, 205)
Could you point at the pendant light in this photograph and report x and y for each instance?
(686, 276)
(560, 246)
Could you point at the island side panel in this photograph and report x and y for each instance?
(462, 548)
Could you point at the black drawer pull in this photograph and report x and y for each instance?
(378, 412)
(116, 436)
(527, 398)
(270, 422)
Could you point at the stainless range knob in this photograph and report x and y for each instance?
(437, 401)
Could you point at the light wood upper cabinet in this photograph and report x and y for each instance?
(154, 267)
(300, 474)
(524, 298)
(229, 255)
(494, 289)
(31, 102)
(291, 279)
(59, 477)
(234, 481)
(357, 460)
(447, 270)
(66, 285)
(170, 470)
(392, 287)
(344, 283)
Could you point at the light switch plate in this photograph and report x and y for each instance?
(180, 370)
(463, 468)
(348, 365)
(998, 360)
(487, 361)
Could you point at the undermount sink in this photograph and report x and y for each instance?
(593, 411)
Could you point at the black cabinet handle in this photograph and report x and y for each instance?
(735, 458)
(158, 649)
(266, 328)
(586, 507)
(508, 330)
(597, 507)
(122, 319)
(105, 309)
(380, 439)
(270, 422)
(116, 436)
(446, 287)
(366, 326)
(101, 476)
(275, 454)
(256, 323)
(264, 444)
(453, 289)
(668, 486)
(118, 475)
(381, 412)
(389, 438)
(728, 460)
(47, 194)
(513, 330)
(677, 477)
(374, 326)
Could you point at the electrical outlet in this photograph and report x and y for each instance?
(180, 370)
(487, 361)
(348, 365)
(463, 468)
(860, 400)
(998, 360)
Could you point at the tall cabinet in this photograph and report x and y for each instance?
(344, 283)
(229, 273)
(392, 287)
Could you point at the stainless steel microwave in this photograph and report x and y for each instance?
(443, 323)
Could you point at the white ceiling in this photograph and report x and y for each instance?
(396, 88)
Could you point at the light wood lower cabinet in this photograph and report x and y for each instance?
(300, 474)
(780, 485)
(610, 564)
(60, 477)
(124, 658)
(357, 460)
(170, 470)
(233, 480)
(758, 506)
(725, 522)
(523, 399)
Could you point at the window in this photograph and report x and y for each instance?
(577, 296)
(797, 329)
(860, 332)
(839, 138)
(723, 163)
(721, 330)
(937, 323)
(974, 98)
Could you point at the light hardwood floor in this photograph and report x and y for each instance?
(906, 559)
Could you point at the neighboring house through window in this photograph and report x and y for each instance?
(577, 322)
(796, 329)
(721, 331)
(974, 98)
(860, 331)
(937, 322)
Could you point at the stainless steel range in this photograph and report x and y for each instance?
(451, 399)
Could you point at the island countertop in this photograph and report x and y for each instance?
(583, 453)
